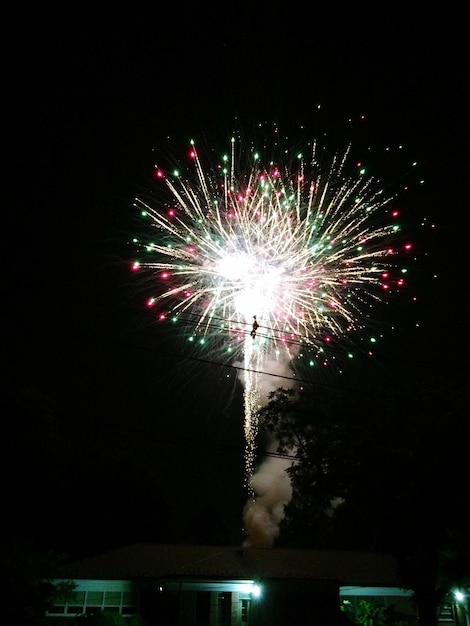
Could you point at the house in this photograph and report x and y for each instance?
(186, 585)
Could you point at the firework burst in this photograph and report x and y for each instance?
(274, 258)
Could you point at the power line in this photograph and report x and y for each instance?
(218, 330)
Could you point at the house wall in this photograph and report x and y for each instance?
(282, 603)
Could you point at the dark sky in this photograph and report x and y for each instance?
(88, 95)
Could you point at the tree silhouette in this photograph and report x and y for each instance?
(381, 471)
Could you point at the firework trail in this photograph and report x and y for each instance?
(303, 249)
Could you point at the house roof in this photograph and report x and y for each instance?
(160, 561)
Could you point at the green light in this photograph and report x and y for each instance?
(459, 596)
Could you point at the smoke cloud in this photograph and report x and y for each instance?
(270, 482)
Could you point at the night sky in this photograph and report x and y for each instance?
(87, 98)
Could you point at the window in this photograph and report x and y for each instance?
(81, 602)
(113, 598)
(94, 598)
(225, 609)
(244, 611)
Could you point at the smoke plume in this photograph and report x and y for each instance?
(270, 482)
